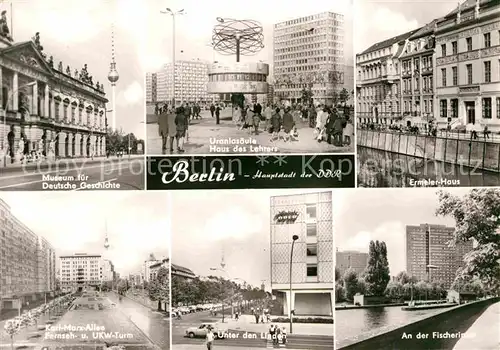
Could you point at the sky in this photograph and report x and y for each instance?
(78, 32)
(386, 221)
(75, 222)
(194, 28)
(378, 20)
(207, 223)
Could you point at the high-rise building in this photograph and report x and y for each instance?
(27, 262)
(191, 82)
(308, 216)
(429, 256)
(108, 270)
(378, 86)
(350, 259)
(309, 54)
(81, 271)
(151, 88)
(467, 66)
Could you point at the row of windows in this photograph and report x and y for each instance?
(426, 63)
(452, 112)
(470, 74)
(468, 45)
(427, 84)
(237, 77)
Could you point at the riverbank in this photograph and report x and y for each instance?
(475, 154)
(350, 307)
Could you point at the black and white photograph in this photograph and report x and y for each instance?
(252, 270)
(84, 271)
(72, 94)
(420, 270)
(228, 77)
(428, 93)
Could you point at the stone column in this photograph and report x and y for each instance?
(52, 108)
(34, 99)
(61, 144)
(84, 146)
(46, 101)
(15, 92)
(77, 144)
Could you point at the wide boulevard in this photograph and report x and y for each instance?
(180, 341)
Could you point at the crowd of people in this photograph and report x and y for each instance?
(281, 122)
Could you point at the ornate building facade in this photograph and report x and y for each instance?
(467, 51)
(378, 86)
(46, 109)
(417, 76)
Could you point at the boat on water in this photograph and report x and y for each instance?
(412, 306)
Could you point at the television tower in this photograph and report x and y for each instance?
(113, 78)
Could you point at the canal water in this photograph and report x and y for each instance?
(377, 168)
(353, 323)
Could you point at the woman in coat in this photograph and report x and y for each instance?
(275, 124)
(249, 120)
(181, 124)
(288, 124)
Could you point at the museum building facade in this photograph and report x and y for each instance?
(48, 109)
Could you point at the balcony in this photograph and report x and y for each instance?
(406, 73)
(427, 70)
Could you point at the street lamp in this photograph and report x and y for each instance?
(173, 14)
(4, 133)
(290, 311)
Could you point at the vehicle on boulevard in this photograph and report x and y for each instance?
(201, 331)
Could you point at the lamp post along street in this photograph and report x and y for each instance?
(290, 310)
(173, 14)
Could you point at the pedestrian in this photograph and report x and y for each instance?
(256, 118)
(288, 125)
(268, 114)
(272, 333)
(283, 335)
(348, 132)
(212, 110)
(249, 119)
(210, 338)
(237, 117)
(275, 125)
(217, 115)
(181, 123)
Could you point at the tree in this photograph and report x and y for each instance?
(306, 95)
(394, 290)
(339, 292)
(350, 284)
(404, 278)
(377, 272)
(477, 217)
(12, 327)
(344, 96)
(337, 274)
(122, 287)
(238, 99)
(159, 288)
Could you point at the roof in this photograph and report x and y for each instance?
(389, 42)
(425, 30)
(467, 5)
(181, 269)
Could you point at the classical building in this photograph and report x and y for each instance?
(417, 76)
(151, 88)
(309, 217)
(27, 262)
(378, 88)
(350, 259)
(428, 255)
(81, 271)
(153, 269)
(146, 267)
(191, 80)
(468, 68)
(50, 109)
(309, 54)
